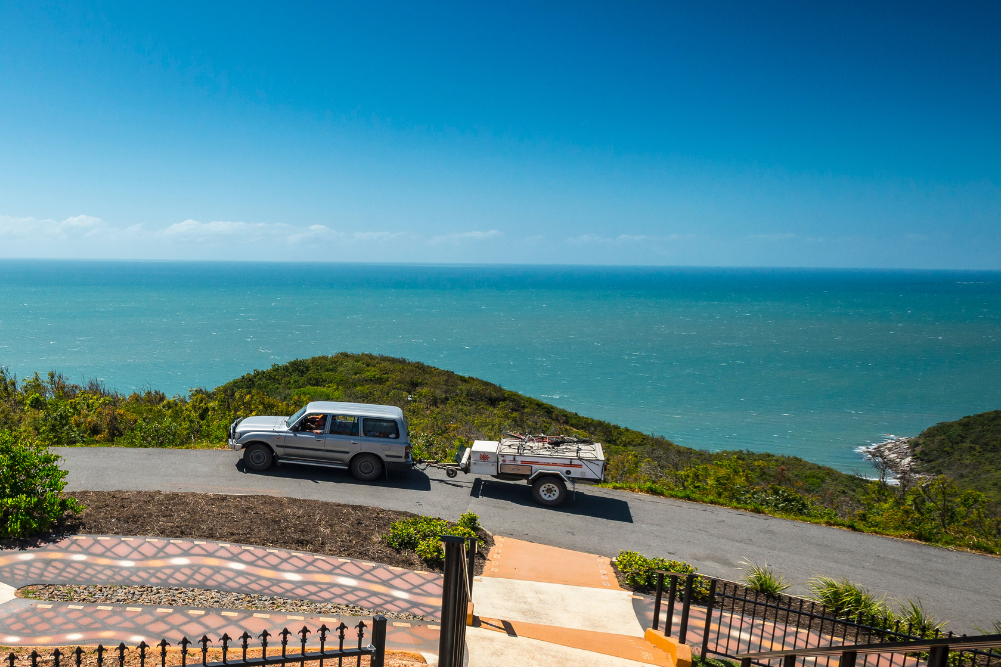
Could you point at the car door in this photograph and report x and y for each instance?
(341, 441)
(381, 436)
(307, 439)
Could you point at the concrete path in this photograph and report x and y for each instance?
(956, 586)
(116, 560)
(541, 605)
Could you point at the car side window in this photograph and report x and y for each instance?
(344, 425)
(315, 423)
(381, 428)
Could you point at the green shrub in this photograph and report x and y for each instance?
(30, 487)
(469, 521)
(639, 572)
(846, 600)
(422, 535)
(918, 621)
(760, 578)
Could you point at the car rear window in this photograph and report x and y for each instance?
(381, 428)
(344, 425)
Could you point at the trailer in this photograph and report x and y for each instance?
(548, 463)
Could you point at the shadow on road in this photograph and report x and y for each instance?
(584, 504)
(412, 480)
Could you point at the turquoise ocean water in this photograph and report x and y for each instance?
(812, 363)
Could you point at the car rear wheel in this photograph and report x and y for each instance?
(258, 457)
(366, 467)
(549, 491)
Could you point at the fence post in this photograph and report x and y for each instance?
(671, 594)
(789, 660)
(938, 656)
(471, 562)
(709, 617)
(656, 600)
(454, 601)
(685, 608)
(378, 641)
(848, 659)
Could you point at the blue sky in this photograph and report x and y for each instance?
(735, 134)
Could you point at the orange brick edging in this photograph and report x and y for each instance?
(680, 653)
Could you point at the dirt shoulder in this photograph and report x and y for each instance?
(333, 529)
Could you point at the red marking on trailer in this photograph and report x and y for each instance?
(548, 463)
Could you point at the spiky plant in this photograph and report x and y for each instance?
(762, 579)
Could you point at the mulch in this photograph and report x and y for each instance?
(333, 529)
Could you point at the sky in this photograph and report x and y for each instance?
(849, 134)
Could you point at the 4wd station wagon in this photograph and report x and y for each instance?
(368, 440)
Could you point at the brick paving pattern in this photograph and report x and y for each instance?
(210, 565)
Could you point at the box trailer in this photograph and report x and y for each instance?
(548, 463)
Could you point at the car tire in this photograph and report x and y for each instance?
(366, 467)
(258, 457)
(549, 491)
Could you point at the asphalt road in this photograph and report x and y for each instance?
(963, 588)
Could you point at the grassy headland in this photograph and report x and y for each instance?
(446, 411)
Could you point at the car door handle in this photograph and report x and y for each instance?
(354, 442)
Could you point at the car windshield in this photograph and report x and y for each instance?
(294, 418)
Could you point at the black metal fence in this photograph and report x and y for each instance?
(942, 652)
(241, 646)
(736, 620)
(456, 594)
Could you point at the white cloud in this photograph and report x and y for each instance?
(625, 238)
(464, 236)
(193, 229)
(47, 229)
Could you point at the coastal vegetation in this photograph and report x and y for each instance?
(967, 451)
(957, 507)
(31, 483)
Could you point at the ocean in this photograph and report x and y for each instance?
(814, 363)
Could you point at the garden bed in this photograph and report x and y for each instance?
(333, 529)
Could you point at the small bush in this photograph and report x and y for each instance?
(30, 487)
(639, 572)
(760, 578)
(846, 600)
(422, 535)
(469, 521)
(918, 621)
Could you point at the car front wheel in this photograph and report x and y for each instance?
(366, 467)
(549, 491)
(258, 457)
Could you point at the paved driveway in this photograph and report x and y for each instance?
(960, 587)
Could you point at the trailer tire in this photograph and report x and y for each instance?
(549, 491)
(258, 457)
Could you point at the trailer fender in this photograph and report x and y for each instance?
(547, 472)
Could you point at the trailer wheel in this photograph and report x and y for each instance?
(451, 472)
(549, 491)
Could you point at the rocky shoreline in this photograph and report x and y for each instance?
(893, 459)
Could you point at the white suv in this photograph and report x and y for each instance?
(367, 439)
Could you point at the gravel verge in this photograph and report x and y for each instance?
(164, 596)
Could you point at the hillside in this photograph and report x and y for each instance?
(446, 411)
(967, 450)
